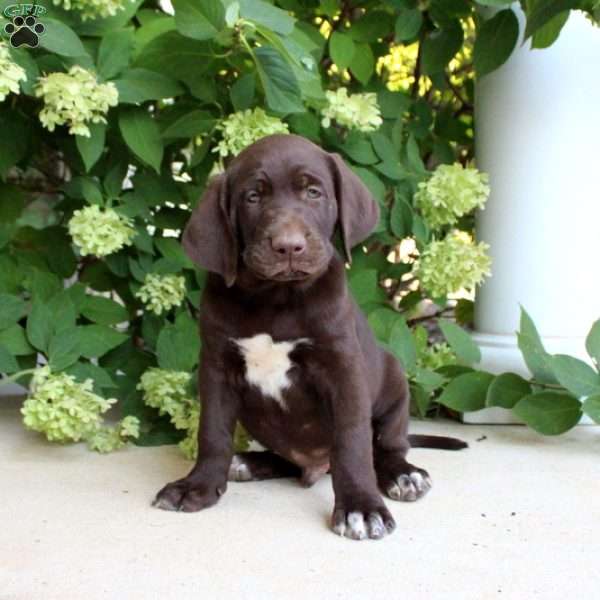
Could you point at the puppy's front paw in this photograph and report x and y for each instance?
(408, 487)
(363, 523)
(187, 495)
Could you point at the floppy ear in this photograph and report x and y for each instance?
(358, 212)
(209, 238)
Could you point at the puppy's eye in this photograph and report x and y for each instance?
(252, 197)
(313, 192)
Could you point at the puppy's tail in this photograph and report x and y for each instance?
(439, 442)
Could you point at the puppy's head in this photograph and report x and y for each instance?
(275, 210)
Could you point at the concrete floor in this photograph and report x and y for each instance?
(515, 516)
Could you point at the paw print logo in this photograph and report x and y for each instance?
(24, 31)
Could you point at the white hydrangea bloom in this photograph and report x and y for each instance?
(62, 408)
(243, 128)
(451, 192)
(92, 9)
(10, 73)
(166, 391)
(160, 293)
(453, 264)
(100, 231)
(355, 111)
(75, 99)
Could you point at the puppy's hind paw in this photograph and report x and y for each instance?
(409, 487)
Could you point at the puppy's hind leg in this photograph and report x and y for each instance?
(256, 466)
(397, 478)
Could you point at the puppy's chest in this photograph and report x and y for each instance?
(271, 367)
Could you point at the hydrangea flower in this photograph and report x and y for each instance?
(355, 111)
(10, 73)
(166, 391)
(245, 127)
(108, 439)
(92, 9)
(162, 292)
(435, 356)
(100, 231)
(451, 192)
(452, 264)
(65, 410)
(75, 99)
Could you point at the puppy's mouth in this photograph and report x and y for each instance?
(290, 275)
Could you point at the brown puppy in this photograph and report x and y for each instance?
(285, 349)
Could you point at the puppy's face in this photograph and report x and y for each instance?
(274, 212)
(283, 196)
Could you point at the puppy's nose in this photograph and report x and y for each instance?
(289, 243)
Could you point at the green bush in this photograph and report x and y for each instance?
(111, 128)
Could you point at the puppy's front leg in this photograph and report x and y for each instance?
(359, 511)
(207, 481)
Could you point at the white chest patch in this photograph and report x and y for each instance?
(268, 363)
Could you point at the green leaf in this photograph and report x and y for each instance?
(15, 341)
(578, 377)
(535, 356)
(550, 413)
(140, 85)
(542, 11)
(401, 218)
(172, 249)
(142, 135)
(103, 310)
(495, 42)
(420, 399)
(363, 63)
(591, 407)
(8, 363)
(546, 35)
(278, 81)
(190, 125)
(97, 340)
(199, 20)
(592, 343)
(61, 39)
(430, 380)
(359, 150)
(408, 24)
(177, 348)
(341, 49)
(242, 92)
(506, 390)
(440, 47)
(364, 285)
(495, 2)
(268, 15)
(402, 345)
(14, 141)
(63, 350)
(467, 392)
(91, 148)
(85, 370)
(40, 325)
(12, 309)
(114, 52)
(461, 342)
(381, 321)
(373, 183)
(101, 26)
(383, 146)
(63, 311)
